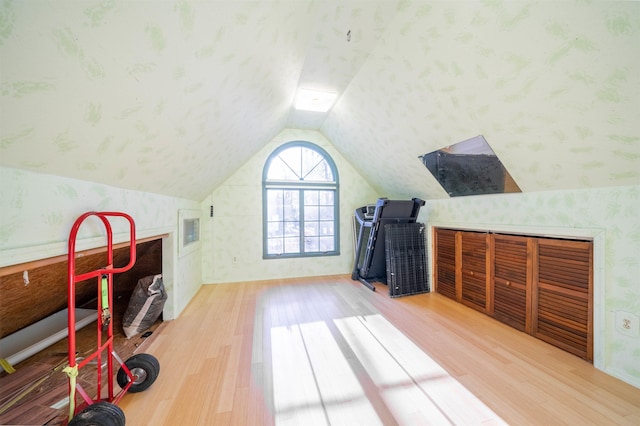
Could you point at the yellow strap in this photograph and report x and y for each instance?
(104, 291)
(72, 372)
(22, 394)
(7, 366)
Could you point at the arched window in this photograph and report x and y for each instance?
(300, 202)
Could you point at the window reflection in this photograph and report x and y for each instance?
(469, 167)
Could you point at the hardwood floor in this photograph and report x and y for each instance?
(327, 350)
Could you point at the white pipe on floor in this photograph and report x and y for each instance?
(32, 339)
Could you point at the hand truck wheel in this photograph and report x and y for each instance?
(99, 414)
(144, 368)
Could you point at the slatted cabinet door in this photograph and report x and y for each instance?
(562, 308)
(511, 279)
(474, 270)
(445, 262)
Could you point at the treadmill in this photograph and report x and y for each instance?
(370, 262)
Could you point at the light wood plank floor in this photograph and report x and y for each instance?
(328, 350)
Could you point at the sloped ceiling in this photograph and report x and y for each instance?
(552, 86)
(172, 97)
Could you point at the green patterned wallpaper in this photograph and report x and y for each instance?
(552, 85)
(235, 231)
(145, 95)
(174, 98)
(37, 212)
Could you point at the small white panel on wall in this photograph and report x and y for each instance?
(188, 231)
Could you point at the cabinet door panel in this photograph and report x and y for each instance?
(447, 281)
(474, 270)
(563, 308)
(474, 252)
(474, 292)
(445, 262)
(510, 277)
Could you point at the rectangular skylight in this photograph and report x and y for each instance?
(313, 100)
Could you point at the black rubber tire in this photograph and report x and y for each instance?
(99, 414)
(145, 367)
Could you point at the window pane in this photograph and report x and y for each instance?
(320, 171)
(310, 213)
(311, 198)
(326, 228)
(274, 246)
(292, 245)
(326, 213)
(274, 204)
(292, 158)
(311, 244)
(279, 170)
(325, 198)
(310, 158)
(311, 229)
(291, 229)
(292, 205)
(275, 229)
(327, 244)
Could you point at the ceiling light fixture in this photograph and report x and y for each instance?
(313, 100)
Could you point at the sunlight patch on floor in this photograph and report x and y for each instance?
(313, 383)
(414, 387)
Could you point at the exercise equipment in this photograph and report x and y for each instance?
(370, 260)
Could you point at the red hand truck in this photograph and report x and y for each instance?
(137, 373)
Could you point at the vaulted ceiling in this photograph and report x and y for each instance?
(171, 97)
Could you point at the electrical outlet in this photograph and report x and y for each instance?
(628, 323)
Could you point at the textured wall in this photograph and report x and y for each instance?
(552, 85)
(173, 98)
(127, 93)
(613, 210)
(235, 231)
(37, 212)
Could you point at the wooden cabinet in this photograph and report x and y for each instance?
(541, 286)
